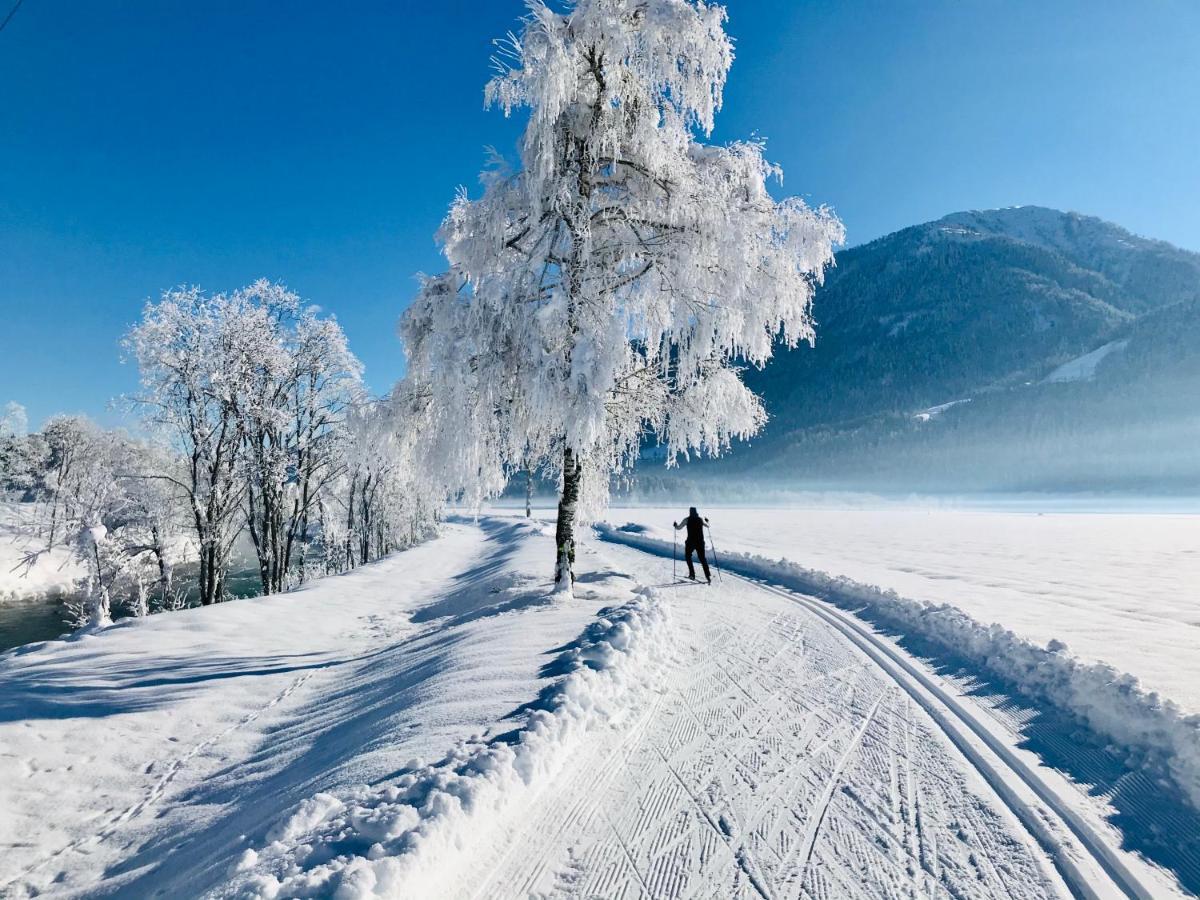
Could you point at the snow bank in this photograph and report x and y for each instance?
(410, 837)
(27, 574)
(1111, 703)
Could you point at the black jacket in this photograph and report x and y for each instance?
(695, 528)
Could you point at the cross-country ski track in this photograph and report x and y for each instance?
(647, 739)
(794, 754)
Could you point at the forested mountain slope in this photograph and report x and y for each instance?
(1072, 339)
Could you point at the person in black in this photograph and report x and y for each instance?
(694, 524)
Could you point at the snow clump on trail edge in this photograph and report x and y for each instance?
(1109, 702)
(407, 838)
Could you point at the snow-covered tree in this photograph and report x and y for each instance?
(23, 457)
(14, 421)
(94, 511)
(156, 517)
(100, 493)
(384, 501)
(196, 362)
(72, 443)
(250, 388)
(291, 417)
(609, 288)
(93, 604)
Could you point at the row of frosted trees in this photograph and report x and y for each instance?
(257, 430)
(262, 403)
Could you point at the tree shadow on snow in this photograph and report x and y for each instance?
(601, 576)
(58, 690)
(329, 743)
(320, 746)
(487, 589)
(345, 736)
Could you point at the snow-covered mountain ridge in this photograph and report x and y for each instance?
(1149, 272)
(971, 300)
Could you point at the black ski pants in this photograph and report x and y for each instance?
(698, 548)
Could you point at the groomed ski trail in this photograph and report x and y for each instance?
(1091, 866)
(780, 760)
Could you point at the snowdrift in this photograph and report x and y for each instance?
(409, 837)
(1109, 702)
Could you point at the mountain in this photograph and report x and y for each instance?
(1148, 273)
(971, 301)
(1012, 349)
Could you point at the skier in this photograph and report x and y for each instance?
(695, 541)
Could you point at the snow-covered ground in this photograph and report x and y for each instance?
(1122, 588)
(185, 731)
(441, 725)
(26, 569)
(1083, 368)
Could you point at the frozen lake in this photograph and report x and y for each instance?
(1121, 587)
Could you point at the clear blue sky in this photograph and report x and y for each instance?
(149, 143)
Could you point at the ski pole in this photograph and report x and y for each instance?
(674, 544)
(716, 565)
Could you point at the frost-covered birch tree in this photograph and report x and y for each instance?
(384, 502)
(104, 517)
(609, 287)
(291, 415)
(156, 510)
(250, 388)
(196, 360)
(371, 454)
(67, 440)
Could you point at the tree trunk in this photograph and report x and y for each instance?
(349, 552)
(53, 520)
(564, 538)
(528, 493)
(165, 573)
(208, 576)
(366, 515)
(205, 574)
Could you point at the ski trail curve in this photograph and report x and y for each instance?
(781, 760)
(1001, 768)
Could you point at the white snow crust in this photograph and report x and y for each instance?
(1120, 584)
(442, 724)
(27, 570)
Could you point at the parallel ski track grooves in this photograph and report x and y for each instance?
(741, 854)
(594, 777)
(944, 709)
